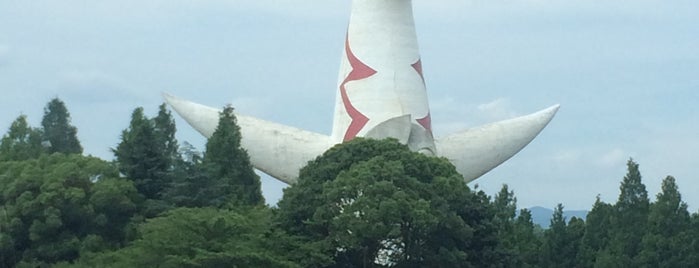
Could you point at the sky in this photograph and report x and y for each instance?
(626, 74)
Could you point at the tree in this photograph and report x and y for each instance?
(556, 244)
(692, 247)
(115, 202)
(596, 237)
(21, 142)
(527, 243)
(56, 206)
(666, 237)
(60, 135)
(505, 204)
(165, 130)
(145, 153)
(630, 217)
(574, 234)
(376, 203)
(205, 237)
(228, 166)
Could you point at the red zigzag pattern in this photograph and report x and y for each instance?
(359, 71)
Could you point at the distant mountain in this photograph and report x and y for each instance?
(542, 216)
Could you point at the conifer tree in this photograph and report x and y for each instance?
(141, 157)
(60, 135)
(165, 130)
(574, 234)
(505, 204)
(630, 217)
(666, 235)
(596, 237)
(692, 248)
(556, 242)
(21, 142)
(226, 162)
(527, 244)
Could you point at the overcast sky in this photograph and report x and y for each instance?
(626, 74)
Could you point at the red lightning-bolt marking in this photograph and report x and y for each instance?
(359, 71)
(426, 121)
(418, 67)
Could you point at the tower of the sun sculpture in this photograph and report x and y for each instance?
(380, 93)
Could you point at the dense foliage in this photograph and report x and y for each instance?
(364, 203)
(59, 135)
(376, 203)
(56, 206)
(228, 164)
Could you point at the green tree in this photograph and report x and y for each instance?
(50, 209)
(376, 203)
(21, 142)
(147, 154)
(666, 237)
(228, 166)
(165, 130)
(505, 204)
(527, 243)
(596, 237)
(116, 204)
(574, 234)
(630, 218)
(692, 247)
(555, 251)
(60, 135)
(203, 237)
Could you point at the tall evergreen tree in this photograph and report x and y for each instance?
(666, 236)
(505, 204)
(596, 237)
(630, 218)
(21, 142)
(141, 156)
(574, 234)
(58, 132)
(692, 248)
(555, 247)
(527, 243)
(165, 130)
(228, 163)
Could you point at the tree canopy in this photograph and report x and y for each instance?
(228, 163)
(55, 207)
(21, 142)
(58, 134)
(376, 203)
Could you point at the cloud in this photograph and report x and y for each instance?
(95, 86)
(612, 159)
(496, 110)
(567, 157)
(451, 115)
(253, 106)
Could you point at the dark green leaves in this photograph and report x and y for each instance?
(59, 135)
(376, 203)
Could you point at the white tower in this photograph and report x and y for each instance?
(381, 93)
